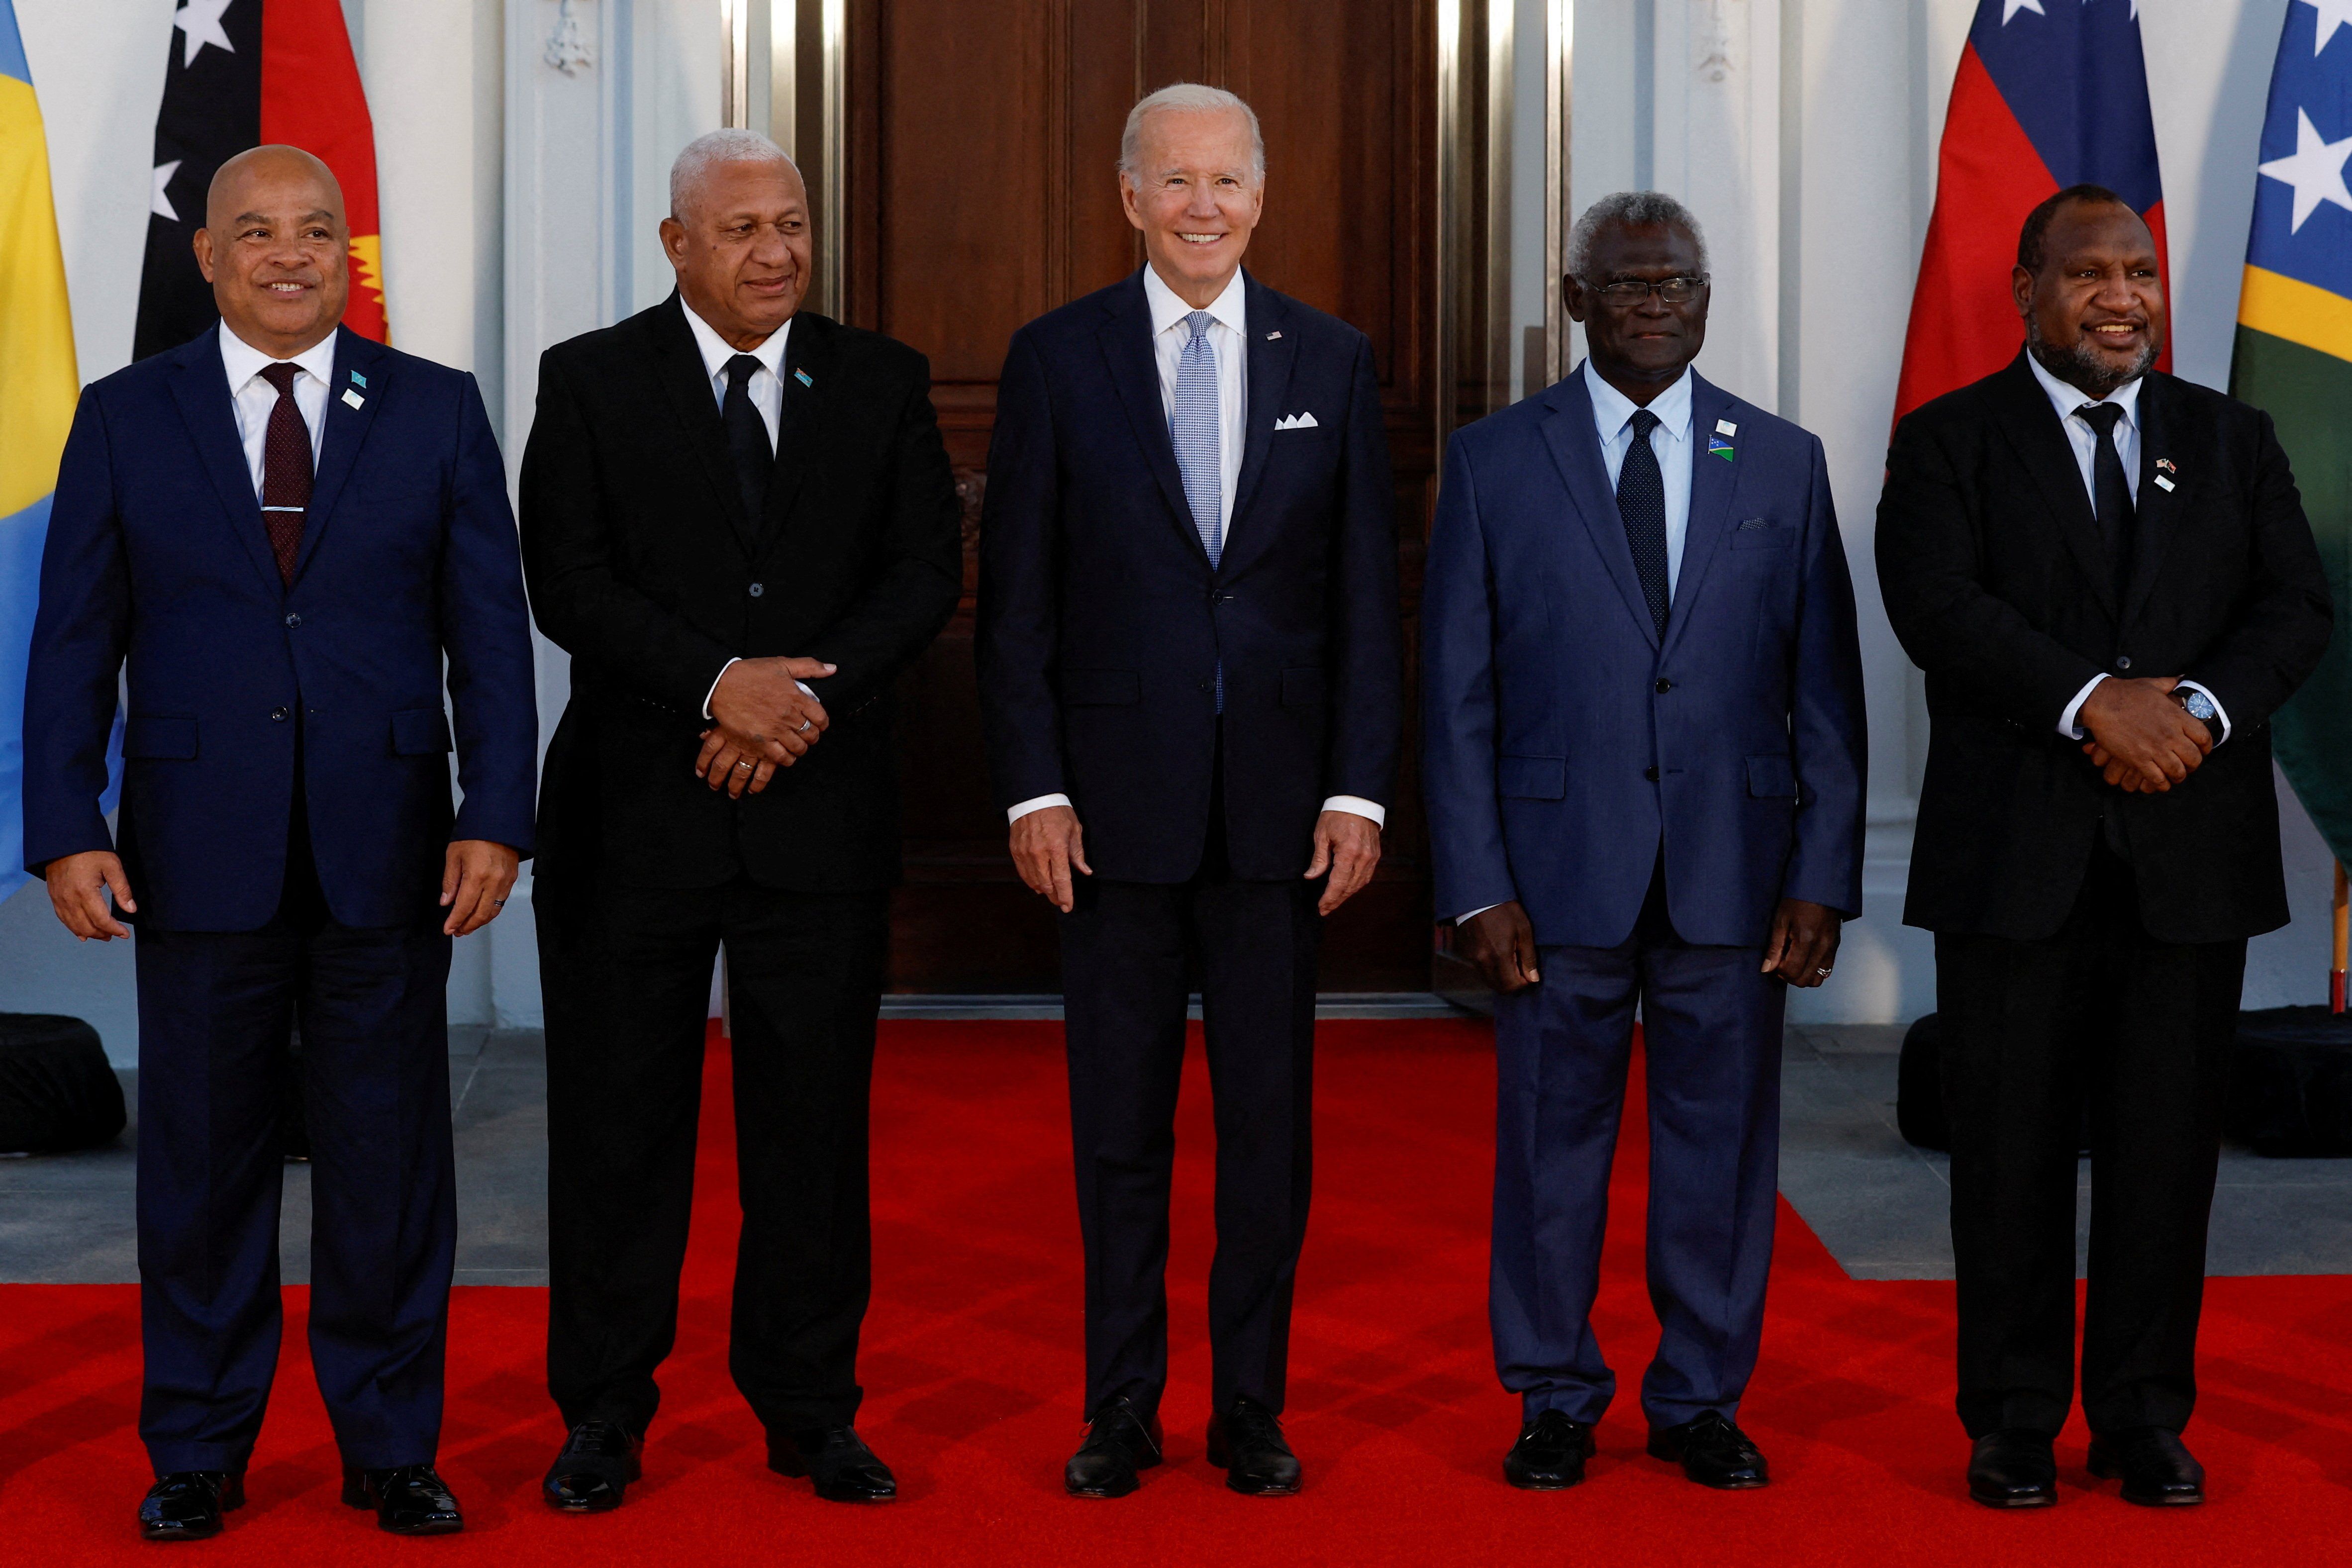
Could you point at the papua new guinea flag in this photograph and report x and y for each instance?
(2294, 359)
(242, 73)
(2050, 93)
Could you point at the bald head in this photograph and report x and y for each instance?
(276, 250)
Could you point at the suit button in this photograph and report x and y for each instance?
(293, 620)
(1665, 686)
(279, 714)
(1208, 686)
(1650, 774)
(2123, 662)
(758, 589)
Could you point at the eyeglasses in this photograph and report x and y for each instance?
(1627, 292)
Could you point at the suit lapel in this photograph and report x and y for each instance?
(2154, 510)
(1714, 483)
(2033, 431)
(1126, 339)
(1271, 353)
(1575, 446)
(200, 386)
(347, 428)
(684, 382)
(801, 414)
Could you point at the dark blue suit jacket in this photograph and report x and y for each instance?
(1101, 622)
(157, 555)
(1563, 744)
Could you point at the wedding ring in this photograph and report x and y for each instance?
(1822, 973)
(805, 725)
(743, 764)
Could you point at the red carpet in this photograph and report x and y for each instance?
(972, 1368)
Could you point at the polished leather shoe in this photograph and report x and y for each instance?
(1713, 1451)
(2013, 1468)
(410, 1499)
(2158, 1469)
(187, 1505)
(1118, 1444)
(837, 1461)
(592, 1473)
(1245, 1442)
(1549, 1455)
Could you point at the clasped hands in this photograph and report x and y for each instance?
(2142, 738)
(1048, 845)
(761, 721)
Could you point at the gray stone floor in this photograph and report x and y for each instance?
(1879, 1205)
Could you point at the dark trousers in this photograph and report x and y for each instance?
(626, 976)
(215, 1011)
(2101, 1013)
(1129, 950)
(1711, 1035)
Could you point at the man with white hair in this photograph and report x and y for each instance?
(739, 520)
(1188, 663)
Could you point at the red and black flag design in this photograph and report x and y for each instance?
(242, 73)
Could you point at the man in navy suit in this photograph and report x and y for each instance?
(1189, 671)
(284, 529)
(1644, 755)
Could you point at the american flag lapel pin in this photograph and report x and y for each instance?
(2161, 482)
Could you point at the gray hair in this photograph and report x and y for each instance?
(1188, 96)
(1635, 209)
(732, 146)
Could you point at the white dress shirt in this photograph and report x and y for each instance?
(2069, 401)
(766, 390)
(1228, 336)
(253, 398)
(1612, 418)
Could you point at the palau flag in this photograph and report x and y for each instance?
(2050, 93)
(2294, 359)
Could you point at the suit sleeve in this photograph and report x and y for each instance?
(583, 605)
(80, 634)
(1458, 765)
(1366, 657)
(1827, 730)
(1947, 622)
(2281, 624)
(915, 592)
(1018, 637)
(485, 635)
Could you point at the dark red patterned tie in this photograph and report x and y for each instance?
(285, 471)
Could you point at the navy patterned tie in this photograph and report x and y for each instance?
(1642, 503)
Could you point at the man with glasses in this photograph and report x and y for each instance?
(1643, 758)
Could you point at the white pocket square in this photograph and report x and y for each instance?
(1295, 422)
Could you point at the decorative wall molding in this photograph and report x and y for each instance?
(567, 48)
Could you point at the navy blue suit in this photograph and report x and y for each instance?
(286, 808)
(1649, 802)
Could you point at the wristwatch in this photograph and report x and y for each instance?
(2201, 707)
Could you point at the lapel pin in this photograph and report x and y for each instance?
(2162, 483)
(2165, 463)
(1271, 336)
(1726, 428)
(802, 377)
(353, 398)
(358, 380)
(1717, 447)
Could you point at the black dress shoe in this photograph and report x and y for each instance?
(410, 1499)
(1245, 1442)
(838, 1461)
(592, 1473)
(1549, 1455)
(187, 1505)
(1712, 1451)
(2158, 1469)
(1118, 1444)
(2013, 1468)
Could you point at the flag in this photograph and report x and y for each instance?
(2293, 358)
(2050, 93)
(241, 73)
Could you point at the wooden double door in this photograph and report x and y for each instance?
(979, 192)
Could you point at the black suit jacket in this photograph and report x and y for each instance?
(1101, 622)
(643, 566)
(1998, 585)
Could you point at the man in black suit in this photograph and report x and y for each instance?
(1189, 643)
(2106, 574)
(738, 519)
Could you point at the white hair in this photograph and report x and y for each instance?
(732, 146)
(1189, 96)
(1635, 209)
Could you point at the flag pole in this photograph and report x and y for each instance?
(2343, 930)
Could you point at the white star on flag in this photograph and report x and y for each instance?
(200, 21)
(160, 203)
(2316, 171)
(2333, 14)
(2011, 7)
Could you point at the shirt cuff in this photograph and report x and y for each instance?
(1474, 914)
(714, 685)
(2223, 712)
(1036, 803)
(1356, 806)
(2069, 722)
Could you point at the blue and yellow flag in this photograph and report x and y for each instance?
(2294, 359)
(38, 389)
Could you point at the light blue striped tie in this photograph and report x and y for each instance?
(1192, 426)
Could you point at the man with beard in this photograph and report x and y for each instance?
(2107, 576)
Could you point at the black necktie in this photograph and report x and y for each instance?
(747, 438)
(1642, 503)
(2111, 491)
